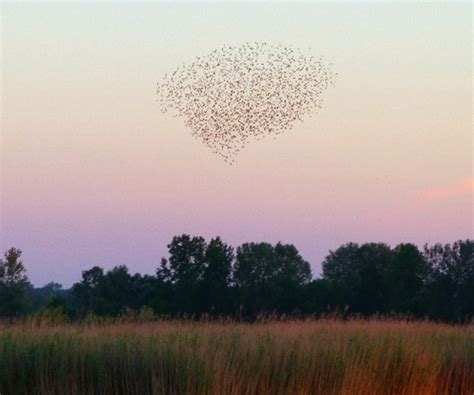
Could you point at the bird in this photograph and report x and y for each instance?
(238, 94)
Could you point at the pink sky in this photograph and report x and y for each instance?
(94, 174)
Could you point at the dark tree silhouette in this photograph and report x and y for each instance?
(215, 285)
(207, 278)
(184, 271)
(253, 272)
(323, 296)
(405, 278)
(292, 273)
(117, 290)
(88, 293)
(449, 290)
(13, 284)
(269, 278)
(42, 295)
(361, 271)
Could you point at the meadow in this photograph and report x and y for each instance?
(268, 357)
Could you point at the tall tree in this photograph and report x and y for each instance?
(217, 276)
(449, 290)
(323, 296)
(292, 273)
(13, 284)
(269, 278)
(88, 293)
(361, 271)
(340, 268)
(184, 271)
(117, 291)
(405, 279)
(254, 267)
(340, 265)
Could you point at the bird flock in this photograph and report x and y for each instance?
(238, 94)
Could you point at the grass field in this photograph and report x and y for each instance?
(275, 357)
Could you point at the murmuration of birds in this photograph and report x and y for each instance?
(238, 94)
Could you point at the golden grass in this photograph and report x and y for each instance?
(275, 357)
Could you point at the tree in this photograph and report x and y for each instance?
(253, 270)
(149, 291)
(340, 264)
(113, 292)
(340, 268)
(186, 261)
(40, 296)
(361, 271)
(449, 289)
(117, 291)
(463, 251)
(292, 273)
(323, 296)
(14, 284)
(200, 277)
(405, 279)
(216, 278)
(269, 278)
(87, 294)
(184, 271)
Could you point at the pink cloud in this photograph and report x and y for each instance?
(446, 191)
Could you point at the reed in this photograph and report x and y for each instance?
(270, 357)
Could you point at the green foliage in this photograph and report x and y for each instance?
(202, 278)
(361, 272)
(269, 278)
(216, 280)
(13, 284)
(405, 278)
(184, 272)
(448, 292)
(372, 278)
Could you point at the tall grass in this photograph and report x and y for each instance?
(183, 357)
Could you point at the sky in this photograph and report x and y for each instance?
(92, 173)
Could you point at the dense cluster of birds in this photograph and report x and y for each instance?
(237, 94)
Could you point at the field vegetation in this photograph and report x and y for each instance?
(114, 332)
(149, 356)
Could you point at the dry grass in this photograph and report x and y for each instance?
(179, 357)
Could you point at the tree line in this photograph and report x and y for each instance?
(212, 278)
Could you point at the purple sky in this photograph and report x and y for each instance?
(94, 174)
